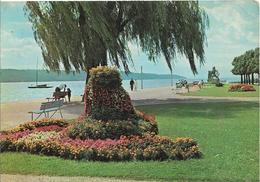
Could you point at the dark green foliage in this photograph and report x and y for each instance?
(219, 84)
(101, 112)
(247, 65)
(5, 145)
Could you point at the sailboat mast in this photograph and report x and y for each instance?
(37, 72)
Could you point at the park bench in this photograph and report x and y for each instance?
(57, 96)
(60, 95)
(47, 107)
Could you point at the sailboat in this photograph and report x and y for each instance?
(36, 81)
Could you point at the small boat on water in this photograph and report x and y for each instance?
(36, 81)
(40, 86)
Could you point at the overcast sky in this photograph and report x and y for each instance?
(233, 30)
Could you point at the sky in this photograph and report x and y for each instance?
(234, 29)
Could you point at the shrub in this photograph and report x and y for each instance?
(219, 84)
(241, 88)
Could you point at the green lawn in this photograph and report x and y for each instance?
(212, 90)
(227, 134)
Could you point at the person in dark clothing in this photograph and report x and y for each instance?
(69, 93)
(57, 89)
(132, 84)
(56, 94)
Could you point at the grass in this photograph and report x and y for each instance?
(227, 134)
(212, 90)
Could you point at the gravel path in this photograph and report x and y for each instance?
(28, 178)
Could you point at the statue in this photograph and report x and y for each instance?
(213, 76)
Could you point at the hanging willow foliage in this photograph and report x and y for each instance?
(81, 35)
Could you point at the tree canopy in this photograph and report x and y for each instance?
(81, 35)
(246, 64)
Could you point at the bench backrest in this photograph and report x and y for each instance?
(60, 94)
(53, 104)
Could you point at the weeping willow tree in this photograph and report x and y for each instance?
(81, 35)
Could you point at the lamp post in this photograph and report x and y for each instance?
(142, 86)
(171, 79)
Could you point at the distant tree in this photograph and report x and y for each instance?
(256, 62)
(213, 76)
(236, 69)
(81, 35)
(246, 65)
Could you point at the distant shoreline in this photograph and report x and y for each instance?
(234, 80)
(14, 75)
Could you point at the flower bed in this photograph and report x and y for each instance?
(241, 88)
(55, 143)
(37, 123)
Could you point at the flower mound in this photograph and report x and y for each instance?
(110, 130)
(241, 88)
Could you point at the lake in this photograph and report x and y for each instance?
(19, 91)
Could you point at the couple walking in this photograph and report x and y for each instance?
(133, 85)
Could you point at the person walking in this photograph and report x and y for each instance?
(132, 84)
(200, 84)
(69, 93)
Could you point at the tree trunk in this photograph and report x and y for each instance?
(104, 58)
(244, 78)
(252, 78)
(87, 77)
(249, 80)
(241, 78)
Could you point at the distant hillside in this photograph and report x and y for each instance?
(13, 75)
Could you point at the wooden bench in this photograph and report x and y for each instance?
(47, 107)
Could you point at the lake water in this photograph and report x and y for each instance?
(19, 91)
